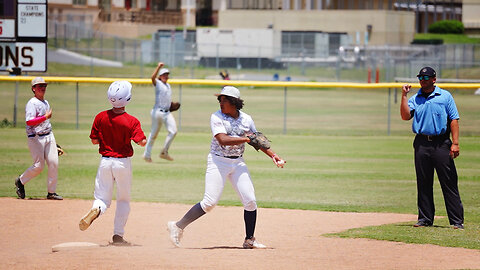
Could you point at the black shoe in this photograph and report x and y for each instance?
(117, 240)
(54, 196)
(458, 227)
(20, 188)
(422, 224)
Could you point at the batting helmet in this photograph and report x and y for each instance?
(119, 93)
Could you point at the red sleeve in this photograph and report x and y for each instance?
(36, 121)
(137, 134)
(94, 133)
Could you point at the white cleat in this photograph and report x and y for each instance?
(175, 233)
(252, 243)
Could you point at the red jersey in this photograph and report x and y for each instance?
(114, 133)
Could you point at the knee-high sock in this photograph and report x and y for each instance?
(250, 218)
(193, 214)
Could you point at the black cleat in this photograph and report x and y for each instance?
(422, 224)
(54, 196)
(117, 240)
(458, 227)
(20, 188)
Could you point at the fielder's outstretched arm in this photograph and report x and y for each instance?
(275, 158)
(155, 72)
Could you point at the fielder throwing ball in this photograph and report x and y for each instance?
(231, 129)
(161, 113)
(113, 130)
(41, 141)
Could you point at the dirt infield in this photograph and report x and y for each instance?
(29, 229)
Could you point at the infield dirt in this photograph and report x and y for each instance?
(29, 229)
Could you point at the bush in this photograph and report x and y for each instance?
(447, 27)
(5, 123)
(431, 41)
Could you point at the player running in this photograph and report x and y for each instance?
(113, 130)
(230, 126)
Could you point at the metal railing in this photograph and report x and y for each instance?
(277, 84)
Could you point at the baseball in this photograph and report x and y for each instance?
(281, 162)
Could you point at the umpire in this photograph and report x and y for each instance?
(435, 116)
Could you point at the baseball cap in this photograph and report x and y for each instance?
(163, 71)
(38, 80)
(229, 91)
(428, 71)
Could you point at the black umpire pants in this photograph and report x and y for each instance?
(433, 153)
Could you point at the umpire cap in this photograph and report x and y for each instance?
(428, 71)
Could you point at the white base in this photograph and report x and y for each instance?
(73, 245)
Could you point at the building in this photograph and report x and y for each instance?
(366, 21)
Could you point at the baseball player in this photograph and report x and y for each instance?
(41, 141)
(113, 130)
(161, 114)
(230, 128)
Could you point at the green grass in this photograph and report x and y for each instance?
(449, 38)
(339, 157)
(332, 173)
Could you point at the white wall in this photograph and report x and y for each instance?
(389, 27)
(118, 3)
(237, 42)
(63, 2)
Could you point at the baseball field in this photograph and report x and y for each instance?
(346, 198)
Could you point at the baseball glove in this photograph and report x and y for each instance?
(174, 106)
(60, 150)
(259, 141)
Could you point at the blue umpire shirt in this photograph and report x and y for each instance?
(431, 113)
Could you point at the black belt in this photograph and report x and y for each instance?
(230, 157)
(432, 138)
(39, 135)
(163, 110)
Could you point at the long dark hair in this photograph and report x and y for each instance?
(237, 102)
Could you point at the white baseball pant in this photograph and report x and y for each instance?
(219, 169)
(112, 170)
(159, 117)
(43, 149)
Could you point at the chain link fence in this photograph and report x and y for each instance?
(302, 56)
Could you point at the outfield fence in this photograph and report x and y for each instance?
(284, 86)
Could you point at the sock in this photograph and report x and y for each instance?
(193, 214)
(250, 218)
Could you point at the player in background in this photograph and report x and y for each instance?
(113, 130)
(161, 114)
(41, 141)
(229, 126)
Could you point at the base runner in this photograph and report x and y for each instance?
(113, 130)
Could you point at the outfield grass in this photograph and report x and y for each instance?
(333, 173)
(339, 156)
